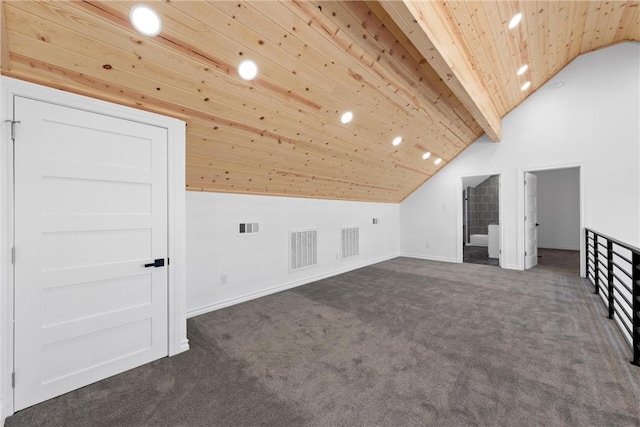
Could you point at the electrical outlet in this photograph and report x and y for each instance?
(426, 245)
(337, 257)
(223, 279)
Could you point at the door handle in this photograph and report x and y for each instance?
(537, 224)
(156, 263)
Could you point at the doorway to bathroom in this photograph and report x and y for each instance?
(481, 220)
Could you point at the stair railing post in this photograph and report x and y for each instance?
(635, 278)
(610, 289)
(596, 268)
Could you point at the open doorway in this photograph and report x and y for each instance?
(553, 220)
(481, 220)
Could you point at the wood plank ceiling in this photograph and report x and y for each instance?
(280, 133)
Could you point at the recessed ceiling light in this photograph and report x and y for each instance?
(525, 86)
(515, 20)
(397, 140)
(145, 20)
(346, 117)
(522, 69)
(558, 84)
(426, 155)
(438, 161)
(248, 70)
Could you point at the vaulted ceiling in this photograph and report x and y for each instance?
(438, 74)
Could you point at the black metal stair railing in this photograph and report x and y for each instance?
(613, 267)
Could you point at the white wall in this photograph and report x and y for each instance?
(257, 264)
(592, 121)
(559, 208)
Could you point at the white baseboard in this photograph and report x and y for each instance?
(430, 258)
(184, 346)
(279, 288)
(511, 267)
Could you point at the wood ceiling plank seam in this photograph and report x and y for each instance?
(590, 26)
(615, 18)
(321, 150)
(239, 170)
(403, 22)
(633, 9)
(230, 165)
(152, 71)
(373, 159)
(536, 64)
(316, 79)
(386, 94)
(361, 69)
(200, 174)
(56, 55)
(604, 12)
(562, 38)
(39, 72)
(433, 30)
(553, 33)
(225, 172)
(222, 152)
(580, 19)
(545, 22)
(496, 30)
(327, 28)
(514, 59)
(626, 25)
(570, 39)
(264, 155)
(357, 16)
(389, 49)
(489, 62)
(523, 43)
(430, 73)
(115, 74)
(465, 14)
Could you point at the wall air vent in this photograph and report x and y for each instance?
(303, 249)
(248, 228)
(350, 242)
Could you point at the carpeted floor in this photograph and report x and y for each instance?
(405, 342)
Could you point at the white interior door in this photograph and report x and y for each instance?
(530, 220)
(90, 211)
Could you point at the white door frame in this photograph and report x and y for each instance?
(520, 210)
(460, 219)
(176, 210)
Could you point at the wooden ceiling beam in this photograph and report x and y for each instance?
(438, 39)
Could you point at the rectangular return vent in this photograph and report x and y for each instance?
(248, 228)
(303, 249)
(350, 242)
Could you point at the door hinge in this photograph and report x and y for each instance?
(13, 255)
(525, 182)
(525, 253)
(13, 128)
(13, 380)
(525, 217)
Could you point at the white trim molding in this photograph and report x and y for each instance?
(176, 187)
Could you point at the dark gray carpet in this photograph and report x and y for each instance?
(405, 342)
